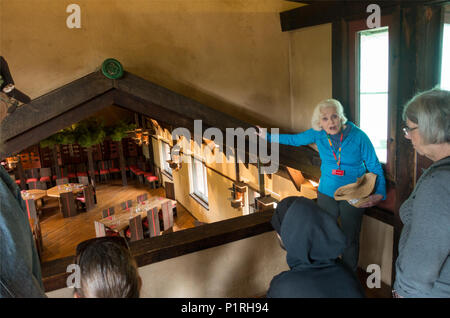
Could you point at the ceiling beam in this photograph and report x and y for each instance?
(321, 12)
(55, 103)
(45, 129)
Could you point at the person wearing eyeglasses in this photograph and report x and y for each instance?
(107, 269)
(347, 154)
(423, 263)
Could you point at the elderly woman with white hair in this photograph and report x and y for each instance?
(347, 154)
(423, 263)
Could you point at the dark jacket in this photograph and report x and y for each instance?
(313, 242)
(20, 270)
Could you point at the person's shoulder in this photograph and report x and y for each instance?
(312, 131)
(355, 130)
(437, 181)
(434, 190)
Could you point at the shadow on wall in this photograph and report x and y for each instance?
(210, 99)
(237, 269)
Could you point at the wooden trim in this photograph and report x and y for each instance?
(296, 177)
(200, 201)
(340, 68)
(156, 249)
(321, 12)
(175, 103)
(404, 68)
(54, 104)
(430, 31)
(166, 174)
(382, 215)
(49, 126)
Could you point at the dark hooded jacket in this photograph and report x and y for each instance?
(20, 270)
(313, 242)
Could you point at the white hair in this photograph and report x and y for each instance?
(327, 103)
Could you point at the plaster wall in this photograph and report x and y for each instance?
(310, 72)
(229, 55)
(236, 269)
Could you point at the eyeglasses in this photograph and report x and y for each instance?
(407, 130)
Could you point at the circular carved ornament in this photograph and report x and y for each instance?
(112, 69)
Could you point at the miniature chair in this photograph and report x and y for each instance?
(142, 197)
(151, 224)
(126, 205)
(108, 212)
(67, 204)
(135, 231)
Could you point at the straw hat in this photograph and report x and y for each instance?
(357, 193)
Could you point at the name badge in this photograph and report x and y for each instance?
(338, 172)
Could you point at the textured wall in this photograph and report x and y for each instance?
(230, 55)
(236, 269)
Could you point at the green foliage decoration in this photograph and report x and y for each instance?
(50, 141)
(67, 136)
(119, 131)
(89, 132)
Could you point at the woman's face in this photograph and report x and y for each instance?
(414, 136)
(330, 121)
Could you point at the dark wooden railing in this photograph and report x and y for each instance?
(172, 245)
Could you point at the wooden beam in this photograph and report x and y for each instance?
(404, 29)
(321, 12)
(382, 215)
(340, 67)
(296, 177)
(177, 103)
(54, 104)
(430, 23)
(47, 128)
(162, 114)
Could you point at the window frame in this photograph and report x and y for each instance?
(445, 20)
(355, 26)
(165, 150)
(200, 196)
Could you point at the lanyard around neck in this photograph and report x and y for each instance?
(337, 158)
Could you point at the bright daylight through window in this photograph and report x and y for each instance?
(445, 66)
(200, 185)
(373, 87)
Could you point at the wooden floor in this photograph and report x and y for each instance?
(60, 235)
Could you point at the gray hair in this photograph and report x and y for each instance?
(430, 110)
(327, 103)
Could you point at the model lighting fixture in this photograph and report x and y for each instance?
(265, 203)
(237, 194)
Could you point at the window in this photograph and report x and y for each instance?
(165, 155)
(372, 87)
(445, 65)
(199, 186)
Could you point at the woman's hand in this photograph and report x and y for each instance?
(374, 199)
